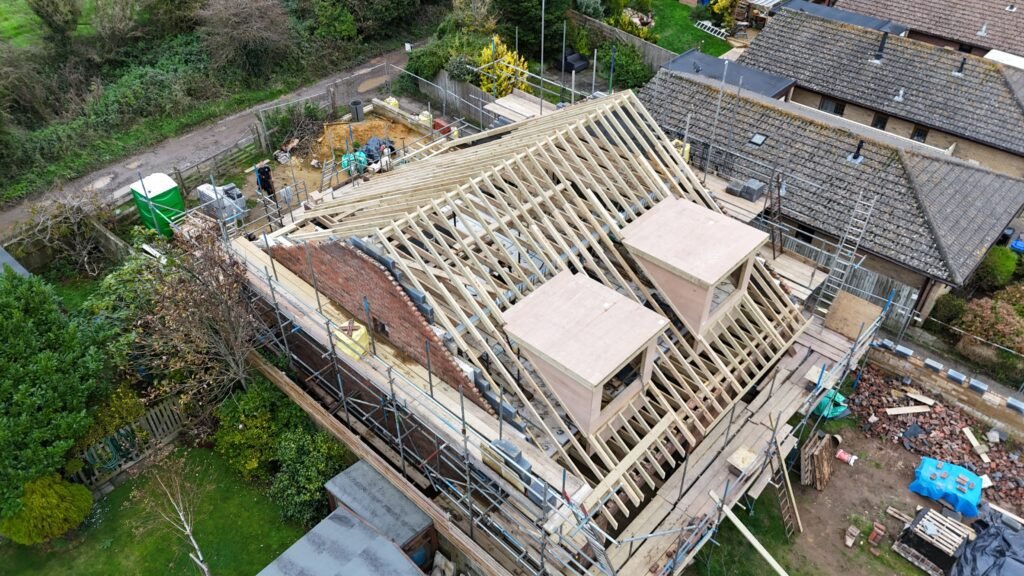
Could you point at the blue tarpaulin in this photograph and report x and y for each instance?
(946, 484)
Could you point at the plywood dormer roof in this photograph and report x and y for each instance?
(583, 327)
(700, 245)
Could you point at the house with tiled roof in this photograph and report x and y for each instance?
(934, 217)
(969, 26)
(968, 105)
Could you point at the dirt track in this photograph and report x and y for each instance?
(189, 148)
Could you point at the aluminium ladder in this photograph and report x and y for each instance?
(846, 253)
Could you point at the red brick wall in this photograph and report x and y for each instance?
(345, 275)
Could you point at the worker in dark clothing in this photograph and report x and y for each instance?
(264, 179)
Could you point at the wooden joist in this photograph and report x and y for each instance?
(979, 449)
(907, 410)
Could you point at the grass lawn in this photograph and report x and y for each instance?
(74, 292)
(239, 531)
(21, 27)
(734, 556)
(677, 33)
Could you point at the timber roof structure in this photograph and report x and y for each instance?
(956, 20)
(934, 214)
(488, 220)
(913, 80)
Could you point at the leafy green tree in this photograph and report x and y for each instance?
(335, 21)
(125, 295)
(308, 460)
(250, 426)
(525, 15)
(50, 507)
(379, 19)
(630, 69)
(52, 370)
(60, 17)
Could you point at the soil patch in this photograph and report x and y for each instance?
(336, 135)
(858, 495)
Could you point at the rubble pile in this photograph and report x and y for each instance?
(938, 433)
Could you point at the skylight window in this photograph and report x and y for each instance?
(757, 139)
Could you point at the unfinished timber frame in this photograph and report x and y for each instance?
(588, 287)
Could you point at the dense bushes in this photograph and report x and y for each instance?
(53, 373)
(626, 24)
(268, 440)
(525, 15)
(630, 69)
(947, 312)
(997, 269)
(307, 460)
(251, 424)
(49, 507)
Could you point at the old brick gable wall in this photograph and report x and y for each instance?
(346, 275)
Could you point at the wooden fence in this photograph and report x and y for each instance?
(224, 163)
(122, 449)
(654, 56)
(457, 99)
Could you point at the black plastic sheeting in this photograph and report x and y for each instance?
(997, 551)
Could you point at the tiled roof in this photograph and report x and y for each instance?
(958, 20)
(836, 59)
(933, 214)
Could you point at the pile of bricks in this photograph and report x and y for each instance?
(941, 436)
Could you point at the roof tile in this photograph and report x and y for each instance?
(936, 215)
(980, 104)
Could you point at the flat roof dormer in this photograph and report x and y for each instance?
(592, 346)
(699, 259)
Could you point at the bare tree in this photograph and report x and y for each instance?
(170, 496)
(250, 37)
(67, 225)
(60, 18)
(116, 22)
(203, 327)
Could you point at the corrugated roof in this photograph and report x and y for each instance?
(934, 214)
(342, 545)
(958, 20)
(837, 60)
(364, 491)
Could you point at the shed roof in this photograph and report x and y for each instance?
(582, 326)
(696, 243)
(364, 491)
(933, 214)
(913, 80)
(342, 545)
(696, 62)
(855, 18)
(959, 20)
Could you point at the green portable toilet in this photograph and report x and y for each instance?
(159, 202)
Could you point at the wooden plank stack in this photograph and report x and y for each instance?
(817, 457)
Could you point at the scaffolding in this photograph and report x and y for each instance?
(529, 523)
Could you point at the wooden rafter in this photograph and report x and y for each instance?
(483, 223)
